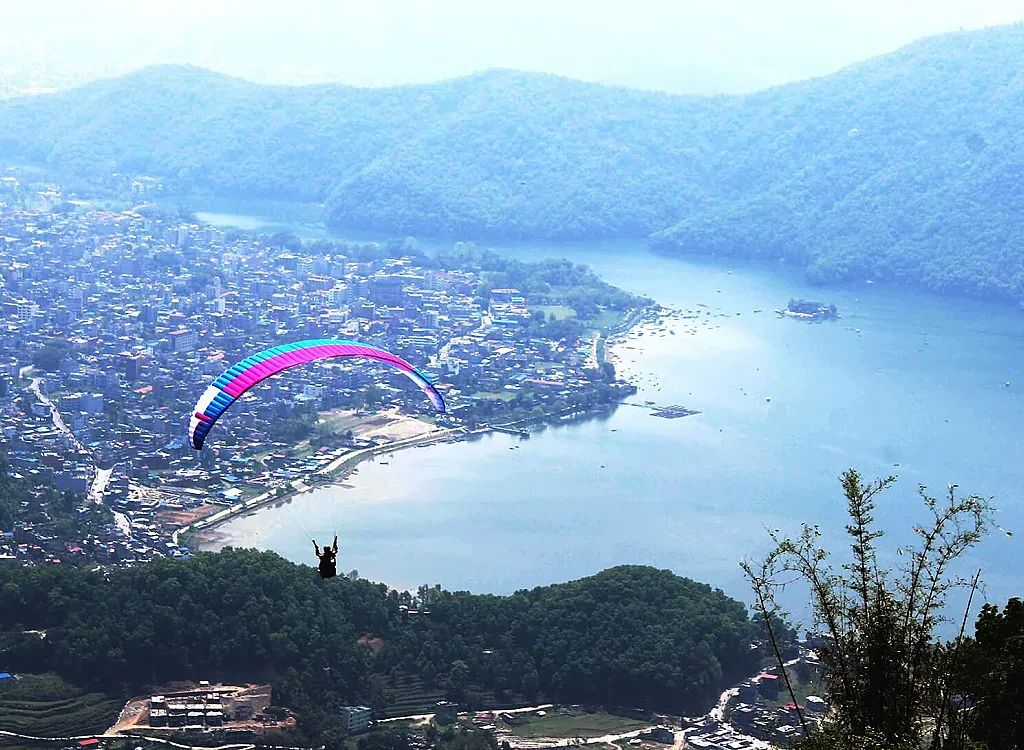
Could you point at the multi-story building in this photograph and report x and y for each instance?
(356, 719)
(183, 340)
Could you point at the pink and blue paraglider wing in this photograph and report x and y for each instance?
(233, 384)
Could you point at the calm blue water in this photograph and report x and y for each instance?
(250, 223)
(921, 385)
(232, 221)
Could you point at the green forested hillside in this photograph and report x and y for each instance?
(904, 168)
(627, 636)
(907, 167)
(496, 154)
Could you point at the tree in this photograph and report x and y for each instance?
(887, 676)
(67, 501)
(285, 240)
(994, 661)
(10, 596)
(49, 357)
(334, 738)
(458, 677)
(531, 682)
(372, 395)
(384, 740)
(112, 409)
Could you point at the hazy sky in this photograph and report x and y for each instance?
(679, 45)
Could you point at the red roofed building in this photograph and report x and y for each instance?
(183, 340)
(768, 685)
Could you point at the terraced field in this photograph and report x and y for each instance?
(11, 743)
(564, 725)
(45, 706)
(411, 697)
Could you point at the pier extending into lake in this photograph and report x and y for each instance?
(668, 412)
(518, 431)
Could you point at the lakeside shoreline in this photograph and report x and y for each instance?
(203, 532)
(225, 212)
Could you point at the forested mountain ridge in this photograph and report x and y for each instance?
(904, 168)
(501, 153)
(907, 167)
(628, 636)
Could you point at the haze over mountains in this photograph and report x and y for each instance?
(907, 167)
(686, 47)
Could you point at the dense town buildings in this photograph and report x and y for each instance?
(111, 324)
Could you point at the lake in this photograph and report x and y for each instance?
(919, 391)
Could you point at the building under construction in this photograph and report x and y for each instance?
(194, 711)
(219, 708)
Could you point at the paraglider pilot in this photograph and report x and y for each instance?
(328, 563)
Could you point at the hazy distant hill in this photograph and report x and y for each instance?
(906, 167)
(500, 153)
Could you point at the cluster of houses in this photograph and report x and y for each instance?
(31, 542)
(715, 735)
(775, 724)
(758, 712)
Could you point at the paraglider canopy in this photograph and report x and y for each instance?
(236, 380)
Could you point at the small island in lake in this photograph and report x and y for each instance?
(799, 308)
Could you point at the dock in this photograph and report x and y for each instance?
(524, 434)
(674, 411)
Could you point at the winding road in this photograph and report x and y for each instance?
(146, 737)
(102, 478)
(58, 421)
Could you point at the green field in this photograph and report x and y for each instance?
(561, 312)
(815, 686)
(601, 322)
(340, 421)
(561, 725)
(250, 491)
(605, 321)
(46, 706)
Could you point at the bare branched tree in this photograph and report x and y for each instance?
(887, 676)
